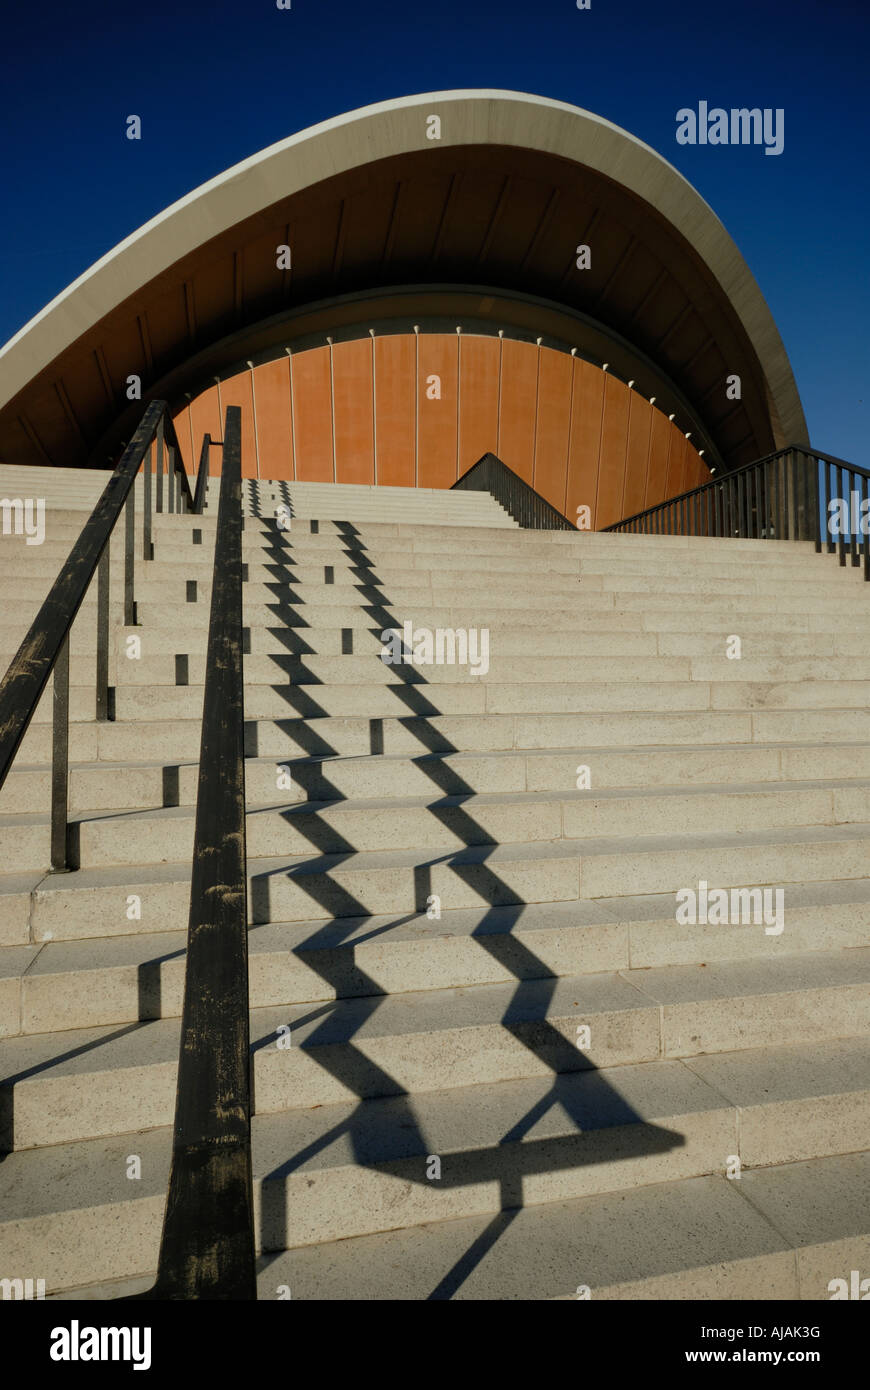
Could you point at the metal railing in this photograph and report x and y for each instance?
(45, 649)
(787, 495)
(207, 1247)
(527, 507)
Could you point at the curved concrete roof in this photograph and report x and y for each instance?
(513, 184)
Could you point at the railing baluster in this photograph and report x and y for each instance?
(830, 492)
(815, 502)
(767, 527)
(160, 454)
(103, 582)
(147, 542)
(129, 557)
(202, 475)
(60, 759)
(841, 539)
(853, 545)
(802, 463)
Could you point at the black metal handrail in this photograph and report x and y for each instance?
(207, 1247)
(202, 475)
(45, 648)
(527, 507)
(787, 495)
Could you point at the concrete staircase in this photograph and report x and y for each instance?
(511, 1073)
(425, 506)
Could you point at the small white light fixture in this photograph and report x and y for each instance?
(670, 417)
(652, 400)
(573, 352)
(688, 434)
(700, 453)
(604, 366)
(501, 332)
(539, 341)
(631, 383)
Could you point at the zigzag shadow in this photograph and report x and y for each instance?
(398, 1146)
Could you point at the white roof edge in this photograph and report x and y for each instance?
(310, 132)
(336, 144)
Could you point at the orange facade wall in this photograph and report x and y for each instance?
(518, 394)
(311, 391)
(274, 423)
(437, 410)
(405, 410)
(395, 393)
(238, 391)
(478, 397)
(553, 423)
(614, 445)
(354, 412)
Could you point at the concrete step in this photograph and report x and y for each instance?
(332, 605)
(778, 1233)
(518, 666)
(116, 900)
(56, 1086)
(304, 554)
(136, 975)
(127, 785)
(509, 589)
(414, 697)
(351, 1170)
(416, 734)
(437, 821)
(843, 704)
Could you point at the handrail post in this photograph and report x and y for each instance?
(853, 478)
(103, 582)
(129, 557)
(816, 503)
(60, 760)
(147, 543)
(202, 475)
(160, 465)
(841, 489)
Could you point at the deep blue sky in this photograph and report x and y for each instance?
(216, 80)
